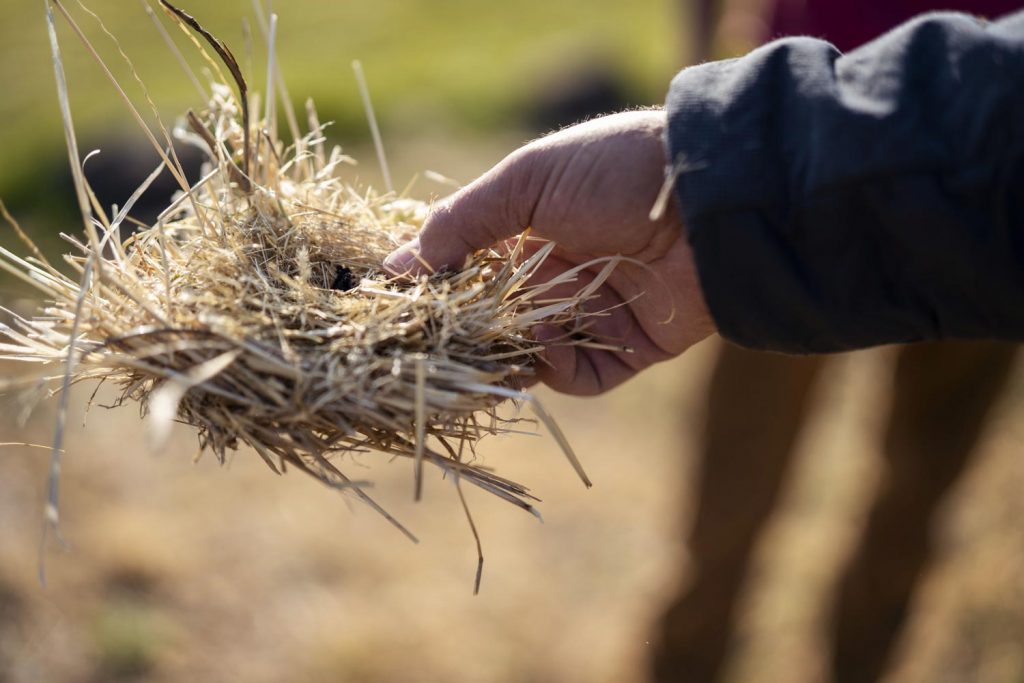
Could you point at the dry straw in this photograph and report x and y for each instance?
(256, 309)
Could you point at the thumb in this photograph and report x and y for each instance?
(491, 208)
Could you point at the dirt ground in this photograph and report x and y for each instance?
(177, 571)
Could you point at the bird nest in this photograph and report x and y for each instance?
(256, 309)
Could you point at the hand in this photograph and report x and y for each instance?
(590, 189)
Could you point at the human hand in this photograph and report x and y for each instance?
(590, 189)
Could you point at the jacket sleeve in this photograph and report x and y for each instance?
(841, 201)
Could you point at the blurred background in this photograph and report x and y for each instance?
(183, 571)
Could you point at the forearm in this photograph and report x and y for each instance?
(837, 202)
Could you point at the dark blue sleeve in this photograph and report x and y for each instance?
(841, 201)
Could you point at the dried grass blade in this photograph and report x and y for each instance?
(282, 87)
(26, 445)
(25, 239)
(556, 432)
(52, 514)
(476, 535)
(364, 93)
(421, 424)
(70, 138)
(270, 114)
(173, 47)
(232, 64)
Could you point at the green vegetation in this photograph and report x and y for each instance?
(430, 63)
(129, 638)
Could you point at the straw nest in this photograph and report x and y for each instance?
(257, 311)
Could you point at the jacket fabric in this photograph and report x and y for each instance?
(837, 201)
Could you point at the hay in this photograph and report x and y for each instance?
(257, 311)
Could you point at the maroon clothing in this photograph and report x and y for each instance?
(850, 23)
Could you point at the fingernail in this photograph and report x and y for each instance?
(402, 260)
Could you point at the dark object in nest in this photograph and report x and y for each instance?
(343, 280)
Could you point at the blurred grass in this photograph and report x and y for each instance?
(128, 638)
(431, 64)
